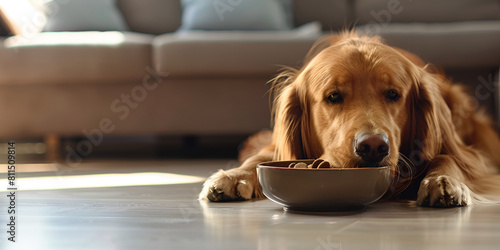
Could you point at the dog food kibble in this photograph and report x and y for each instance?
(324, 164)
(298, 165)
(318, 163)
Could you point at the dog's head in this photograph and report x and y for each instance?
(353, 103)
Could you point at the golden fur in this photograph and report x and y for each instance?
(435, 138)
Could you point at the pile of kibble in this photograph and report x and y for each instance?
(318, 163)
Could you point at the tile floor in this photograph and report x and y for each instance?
(168, 216)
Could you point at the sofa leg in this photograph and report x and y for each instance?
(53, 143)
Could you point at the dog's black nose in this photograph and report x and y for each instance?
(371, 148)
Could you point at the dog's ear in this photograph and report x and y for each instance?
(287, 117)
(426, 118)
(430, 130)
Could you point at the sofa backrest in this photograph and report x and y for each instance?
(339, 14)
(151, 16)
(163, 16)
(332, 14)
(426, 11)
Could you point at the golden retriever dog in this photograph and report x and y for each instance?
(358, 102)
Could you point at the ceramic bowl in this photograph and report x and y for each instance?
(324, 189)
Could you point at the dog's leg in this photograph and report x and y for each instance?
(238, 183)
(444, 185)
(254, 144)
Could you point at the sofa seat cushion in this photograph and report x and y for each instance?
(224, 53)
(75, 57)
(449, 45)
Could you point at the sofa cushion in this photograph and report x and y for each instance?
(381, 11)
(223, 53)
(450, 45)
(151, 16)
(236, 15)
(84, 15)
(69, 57)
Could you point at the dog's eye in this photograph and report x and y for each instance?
(392, 95)
(335, 98)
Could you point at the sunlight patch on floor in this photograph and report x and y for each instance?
(100, 180)
(32, 167)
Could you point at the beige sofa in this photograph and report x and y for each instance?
(152, 80)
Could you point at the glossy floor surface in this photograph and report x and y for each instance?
(125, 211)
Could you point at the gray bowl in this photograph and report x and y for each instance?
(325, 189)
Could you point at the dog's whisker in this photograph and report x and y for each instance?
(403, 175)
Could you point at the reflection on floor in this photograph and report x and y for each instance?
(167, 215)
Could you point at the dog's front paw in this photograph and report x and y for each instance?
(231, 185)
(443, 191)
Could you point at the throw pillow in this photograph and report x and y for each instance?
(84, 15)
(237, 15)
